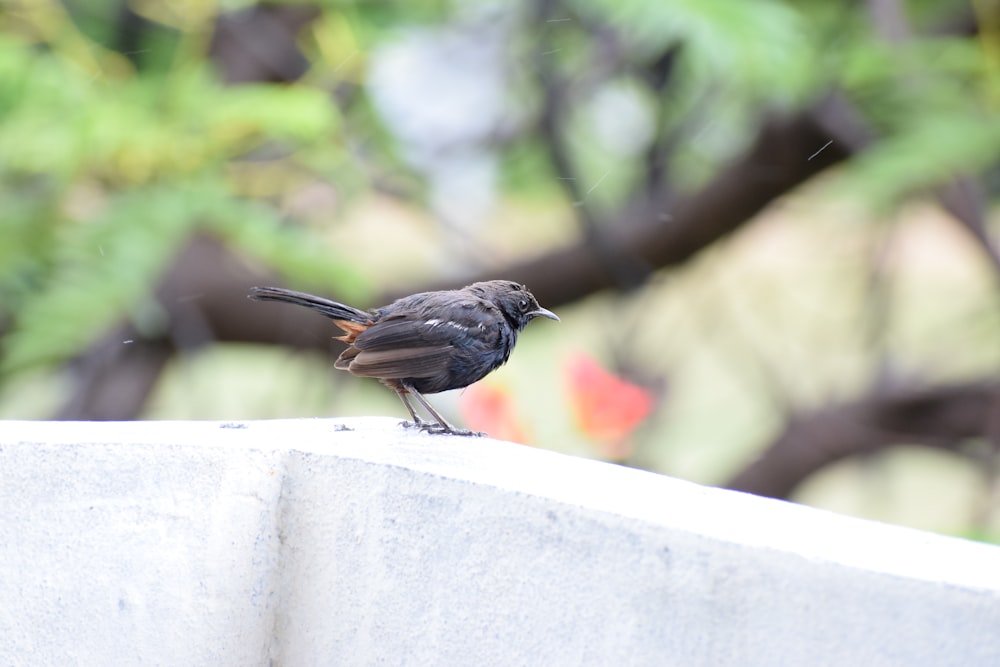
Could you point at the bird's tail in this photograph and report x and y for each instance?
(335, 311)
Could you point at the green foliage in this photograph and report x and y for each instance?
(104, 268)
(759, 48)
(62, 123)
(734, 62)
(257, 230)
(932, 102)
(932, 106)
(104, 177)
(98, 271)
(931, 150)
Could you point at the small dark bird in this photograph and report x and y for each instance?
(428, 342)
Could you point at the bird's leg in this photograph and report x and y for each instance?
(442, 426)
(402, 392)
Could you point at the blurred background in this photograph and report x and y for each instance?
(767, 226)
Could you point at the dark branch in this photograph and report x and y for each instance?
(777, 162)
(944, 417)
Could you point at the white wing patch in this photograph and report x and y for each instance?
(437, 323)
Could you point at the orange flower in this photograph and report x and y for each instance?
(607, 408)
(489, 407)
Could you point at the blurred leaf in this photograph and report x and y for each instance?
(929, 151)
(59, 121)
(101, 268)
(289, 249)
(868, 64)
(759, 46)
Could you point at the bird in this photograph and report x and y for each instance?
(428, 342)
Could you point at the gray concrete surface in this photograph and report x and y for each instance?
(300, 543)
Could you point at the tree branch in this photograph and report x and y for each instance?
(783, 156)
(943, 416)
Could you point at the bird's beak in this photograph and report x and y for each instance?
(542, 312)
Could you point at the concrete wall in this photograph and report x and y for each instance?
(315, 542)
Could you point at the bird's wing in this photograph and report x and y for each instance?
(417, 343)
(399, 363)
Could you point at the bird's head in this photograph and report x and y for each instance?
(514, 299)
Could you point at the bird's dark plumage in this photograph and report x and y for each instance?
(428, 342)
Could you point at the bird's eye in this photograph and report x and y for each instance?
(523, 303)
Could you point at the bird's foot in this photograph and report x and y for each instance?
(431, 427)
(457, 431)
